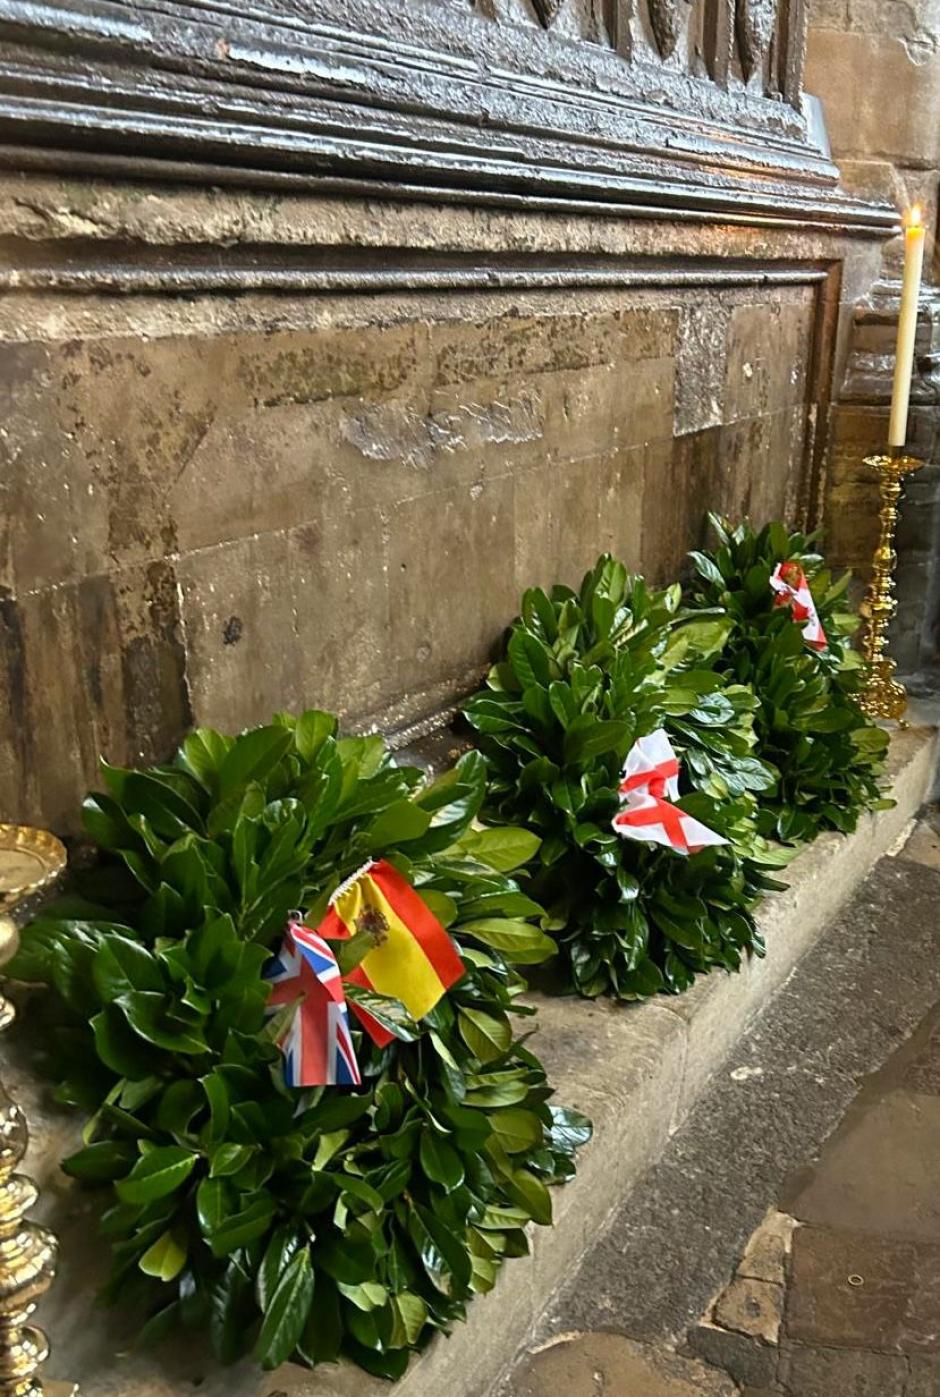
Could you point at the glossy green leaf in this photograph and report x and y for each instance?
(517, 1130)
(252, 757)
(410, 1316)
(282, 1246)
(488, 1036)
(519, 941)
(439, 1160)
(157, 1174)
(285, 1315)
(101, 1162)
(504, 847)
(239, 1229)
(150, 1016)
(120, 965)
(166, 1257)
(227, 1159)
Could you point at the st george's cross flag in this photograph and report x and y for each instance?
(413, 960)
(789, 582)
(317, 1046)
(650, 775)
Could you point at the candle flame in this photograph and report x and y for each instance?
(915, 216)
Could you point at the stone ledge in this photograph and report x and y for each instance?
(636, 1070)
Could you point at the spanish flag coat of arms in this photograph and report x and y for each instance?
(413, 960)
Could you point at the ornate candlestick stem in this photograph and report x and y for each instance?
(882, 695)
(29, 859)
(27, 1263)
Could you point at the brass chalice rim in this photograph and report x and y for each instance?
(43, 846)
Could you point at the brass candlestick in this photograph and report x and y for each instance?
(29, 860)
(882, 695)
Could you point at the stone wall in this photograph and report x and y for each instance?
(877, 68)
(297, 396)
(218, 510)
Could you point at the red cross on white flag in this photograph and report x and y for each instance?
(650, 774)
(789, 582)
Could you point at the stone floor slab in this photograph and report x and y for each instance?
(608, 1365)
(858, 1291)
(924, 1377)
(818, 1372)
(751, 1307)
(879, 1173)
(920, 1069)
(746, 1359)
(765, 1257)
(923, 845)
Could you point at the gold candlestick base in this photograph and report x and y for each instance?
(29, 860)
(882, 695)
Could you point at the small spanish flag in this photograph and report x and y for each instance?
(414, 959)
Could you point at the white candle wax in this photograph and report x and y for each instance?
(907, 328)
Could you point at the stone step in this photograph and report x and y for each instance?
(811, 1157)
(636, 1070)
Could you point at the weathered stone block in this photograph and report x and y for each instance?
(924, 1377)
(877, 1174)
(609, 406)
(751, 1307)
(625, 479)
(439, 546)
(697, 462)
(672, 518)
(743, 1357)
(767, 357)
(92, 667)
(567, 511)
(852, 527)
(765, 1257)
(587, 1364)
(512, 347)
(859, 1290)
(310, 495)
(829, 14)
(862, 114)
(319, 365)
(256, 470)
(820, 1372)
(302, 614)
(701, 369)
(760, 460)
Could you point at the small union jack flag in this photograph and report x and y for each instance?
(317, 1046)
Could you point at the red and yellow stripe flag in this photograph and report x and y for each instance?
(414, 959)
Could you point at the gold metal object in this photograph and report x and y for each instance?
(882, 695)
(29, 860)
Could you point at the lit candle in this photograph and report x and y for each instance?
(907, 326)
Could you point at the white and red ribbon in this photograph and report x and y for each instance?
(789, 582)
(650, 784)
